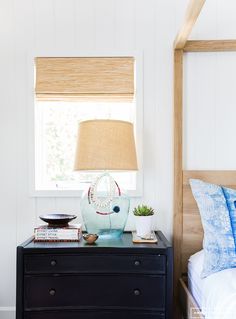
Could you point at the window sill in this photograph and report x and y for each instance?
(73, 193)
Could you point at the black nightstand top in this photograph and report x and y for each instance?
(125, 242)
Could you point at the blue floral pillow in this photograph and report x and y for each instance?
(218, 243)
(230, 196)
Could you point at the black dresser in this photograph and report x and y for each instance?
(109, 280)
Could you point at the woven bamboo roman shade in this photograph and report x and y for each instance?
(85, 78)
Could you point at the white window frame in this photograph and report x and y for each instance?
(138, 56)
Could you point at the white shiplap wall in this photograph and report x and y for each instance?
(210, 95)
(145, 26)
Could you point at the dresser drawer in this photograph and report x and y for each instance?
(104, 263)
(114, 314)
(88, 291)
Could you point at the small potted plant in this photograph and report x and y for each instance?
(143, 218)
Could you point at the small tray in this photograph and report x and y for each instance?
(138, 240)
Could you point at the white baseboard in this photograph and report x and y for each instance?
(7, 312)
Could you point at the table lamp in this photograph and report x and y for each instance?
(104, 146)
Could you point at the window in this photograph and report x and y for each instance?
(67, 91)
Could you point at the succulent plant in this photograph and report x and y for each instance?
(143, 210)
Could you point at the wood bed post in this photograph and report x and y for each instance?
(192, 13)
(178, 169)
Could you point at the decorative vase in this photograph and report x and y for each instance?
(143, 226)
(108, 222)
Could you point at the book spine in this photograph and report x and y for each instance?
(69, 227)
(58, 229)
(56, 240)
(55, 232)
(56, 237)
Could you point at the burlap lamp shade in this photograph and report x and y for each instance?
(105, 145)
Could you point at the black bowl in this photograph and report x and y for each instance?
(57, 220)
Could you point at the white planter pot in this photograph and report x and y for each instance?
(143, 226)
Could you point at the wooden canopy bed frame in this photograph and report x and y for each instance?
(188, 232)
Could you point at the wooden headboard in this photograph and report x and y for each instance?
(192, 226)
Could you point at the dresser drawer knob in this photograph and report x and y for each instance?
(137, 292)
(53, 263)
(137, 263)
(52, 292)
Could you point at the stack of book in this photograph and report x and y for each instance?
(68, 233)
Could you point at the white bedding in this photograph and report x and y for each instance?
(216, 294)
(194, 277)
